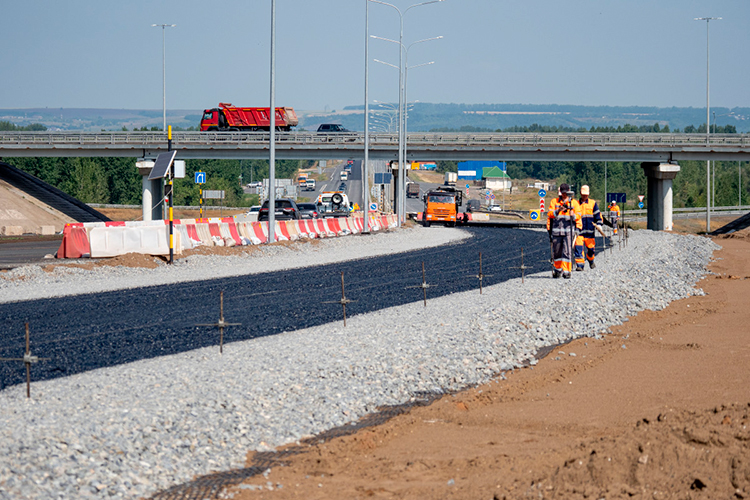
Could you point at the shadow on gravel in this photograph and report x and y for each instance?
(87, 332)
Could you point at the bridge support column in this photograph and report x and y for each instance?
(659, 195)
(152, 192)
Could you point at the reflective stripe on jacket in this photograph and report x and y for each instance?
(563, 220)
(590, 215)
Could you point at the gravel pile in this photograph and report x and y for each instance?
(134, 429)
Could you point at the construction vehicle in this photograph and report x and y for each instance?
(412, 190)
(441, 205)
(302, 180)
(451, 178)
(231, 118)
(333, 204)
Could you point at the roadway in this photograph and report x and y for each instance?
(156, 321)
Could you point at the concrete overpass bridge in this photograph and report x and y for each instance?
(658, 153)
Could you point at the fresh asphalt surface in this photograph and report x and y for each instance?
(86, 332)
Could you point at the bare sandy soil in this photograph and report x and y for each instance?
(660, 408)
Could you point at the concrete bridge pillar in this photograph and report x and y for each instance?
(152, 192)
(659, 194)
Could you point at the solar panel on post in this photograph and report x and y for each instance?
(161, 167)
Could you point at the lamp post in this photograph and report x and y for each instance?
(401, 186)
(164, 71)
(272, 126)
(365, 172)
(708, 122)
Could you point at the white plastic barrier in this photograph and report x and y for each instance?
(112, 241)
(186, 243)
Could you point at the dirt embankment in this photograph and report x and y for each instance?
(657, 409)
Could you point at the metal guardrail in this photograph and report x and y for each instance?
(738, 209)
(415, 138)
(436, 146)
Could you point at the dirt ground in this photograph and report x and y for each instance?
(658, 409)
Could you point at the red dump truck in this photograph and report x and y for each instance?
(231, 118)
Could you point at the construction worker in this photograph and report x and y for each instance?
(614, 215)
(590, 218)
(563, 220)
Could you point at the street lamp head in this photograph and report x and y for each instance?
(707, 19)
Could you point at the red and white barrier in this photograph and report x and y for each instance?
(108, 239)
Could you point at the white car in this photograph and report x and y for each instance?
(495, 208)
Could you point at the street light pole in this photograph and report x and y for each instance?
(401, 185)
(708, 121)
(164, 71)
(365, 173)
(272, 117)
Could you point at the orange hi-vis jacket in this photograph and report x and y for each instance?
(563, 220)
(590, 215)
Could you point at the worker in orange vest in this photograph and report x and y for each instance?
(563, 220)
(614, 215)
(590, 219)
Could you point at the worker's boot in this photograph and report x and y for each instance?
(579, 268)
(556, 274)
(566, 276)
(592, 265)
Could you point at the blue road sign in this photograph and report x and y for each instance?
(618, 197)
(534, 215)
(467, 186)
(542, 193)
(373, 206)
(640, 205)
(200, 177)
(492, 196)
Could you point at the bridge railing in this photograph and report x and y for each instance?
(523, 140)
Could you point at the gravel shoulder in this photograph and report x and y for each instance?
(135, 429)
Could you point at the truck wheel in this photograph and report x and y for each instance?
(426, 223)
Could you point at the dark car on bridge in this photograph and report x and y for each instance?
(286, 209)
(332, 128)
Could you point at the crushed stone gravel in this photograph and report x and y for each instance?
(135, 429)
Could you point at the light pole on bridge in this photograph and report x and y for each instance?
(708, 123)
(164, 71)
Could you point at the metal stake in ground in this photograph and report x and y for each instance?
(424, 286)
(27, 360)
(522, 267)
(481, 275)
(221, 324)
(344, 301)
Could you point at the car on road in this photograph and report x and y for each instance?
(495, 208)
(286, 209)
(308, 210)
(473, 205)
(332, 128)
(342, 186)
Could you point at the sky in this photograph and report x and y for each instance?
(106, 54)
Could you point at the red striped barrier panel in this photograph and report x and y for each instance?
(282, 233)
(333, 225)
(233, 229)
(258, 229)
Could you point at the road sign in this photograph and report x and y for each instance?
(542, 193)
(487, 197)
(213, 194)
(534, 214)
(200, 177)
(383, 178)
(492, 196)
(541, 203)
(640, 197)
(618, 197)
(640, 205)
(467, 186)
(373, 206)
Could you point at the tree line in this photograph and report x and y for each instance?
(620, 129)
(117, 181)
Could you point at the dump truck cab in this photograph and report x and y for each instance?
(441, 205)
